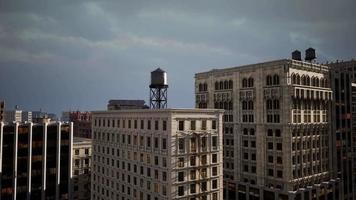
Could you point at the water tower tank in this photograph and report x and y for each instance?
(158, 78)
(310, 54)
(296, 55)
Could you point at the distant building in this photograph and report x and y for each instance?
(36, 160)
(13, 116)
(2, 110)
(26, 116)
(343, 76)
(82, 150)
(82, 123)
(165, 154)
(126, 104)
(65, 116)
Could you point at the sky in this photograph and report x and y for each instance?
(77, 54)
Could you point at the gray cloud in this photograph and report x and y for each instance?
(60, 55)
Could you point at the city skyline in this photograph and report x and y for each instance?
(68, 55)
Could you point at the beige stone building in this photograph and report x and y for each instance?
(277, 142)
(82, 152)
(157, 154)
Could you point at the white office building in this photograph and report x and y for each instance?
(157, 154)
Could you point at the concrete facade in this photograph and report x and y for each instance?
(157, 154)
(277, 135)
(82, 151)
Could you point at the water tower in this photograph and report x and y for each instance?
(158, 89)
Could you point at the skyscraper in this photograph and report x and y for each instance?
(277, 133)
(343, 76)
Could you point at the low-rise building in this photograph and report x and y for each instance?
(82, 150)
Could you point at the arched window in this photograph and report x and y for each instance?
(230, 105)
(275, 79)
(307, 82)
(322, 82)
(294, 79)
(216, 85)
(200, 87)
(245, 131)
(221, 85)
(276, 104)
(230, 84)
(250, 82)
(244, 105)
(250, 105)
(298, 79)
(225, 106)
(269, 80)
(317, 82)
(269, 104)
(252, 131)
(226, 85)
(313, 81)
(304, 80)
(244, 82)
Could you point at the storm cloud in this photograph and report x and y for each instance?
(78, 54)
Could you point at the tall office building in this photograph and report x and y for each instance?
(343, 74)
(2, 110)
(157, 154)
(35, 161)
(277, 135)
(82, 150)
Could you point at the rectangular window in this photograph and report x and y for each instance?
(181, 125)
(181, 144)
(213, 124)
(164, 125)
(164, 143)
(149, 124)
(192, 174)
(180, 176)
(156, 125)
(180, 190)
(142, 124)
(203, 125)
(214, 158)
(192, 125)
(214, 184)
(192, 188)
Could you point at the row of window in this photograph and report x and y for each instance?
(203, 173)
(202, 87)
(135, 140)
(306, 80)
(203, 186)
(203, 159)
(131, 124)
(135, 156)
(182, 125)
(223, 85)
(133, 168)
(197, 142)
(127, 190)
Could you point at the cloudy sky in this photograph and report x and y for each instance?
(77, 54)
